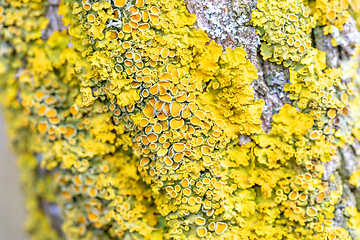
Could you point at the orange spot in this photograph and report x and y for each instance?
(320, 197)
(331, 113)
(77, 180)
(126, 44)
(144, 27)
(179, 147)
(303, 197)
(191, 201)
(168, 161)
(144, 162)
(91, 18)
(132, 10)
(39, 95)
(50, 100)
(154, 89)
(145, 140)
(293, 195)
(73, 110)
(181, 98)
(54, 120)
(152, 137)
(205, 150)
(155, 10)
(293, 17)
(41, 110)
(157, 128)
(133, 25)
(311, 211)
(92, 216)
(66, 195)
(218, 185)
(327, 130)
(185, 182)
(70, 132)
(87, 7)
(302, 49)
(146, 71)
(201, 231)
(193, 107)
(51, 113)
(89, 181)
(211, 226)
(195, 120)
(166, 98)
(127, 28)
(165, 125)
(178, 157)
(176, 124)
(119, 3)
(162, 116)
(331, 15)
(175, 108)
(139, 3)
(220, 228)
(191, 97)
(92, 192)
(186, 112)
(200, 221)
(136, 17)
(315, 135)
(344, 98)
(148, 111)
(307, 177)
(165, 53)
(42, 127)
(145, 16)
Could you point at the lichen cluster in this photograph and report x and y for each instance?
(284, 27)
(128, 123)
(324, 95)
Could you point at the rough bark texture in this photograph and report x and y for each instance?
(227, 22)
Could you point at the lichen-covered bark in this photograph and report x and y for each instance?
(273, 77)
(227, 22)
(147, 130)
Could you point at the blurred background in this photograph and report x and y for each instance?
(12, 212)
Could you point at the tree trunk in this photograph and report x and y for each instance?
(130, 124)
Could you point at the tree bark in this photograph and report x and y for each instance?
(228, 23)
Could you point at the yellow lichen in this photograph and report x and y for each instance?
(135, 117)
(284, 27)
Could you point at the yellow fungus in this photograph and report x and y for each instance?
(179, 147)
(320, 197)
(315, 135)
(200, 221)
(331, 113)
(293, 17)
(42, 127)
(201, 231)
(220, 228)
(311, 211)
(187, 191)
(176, 124)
